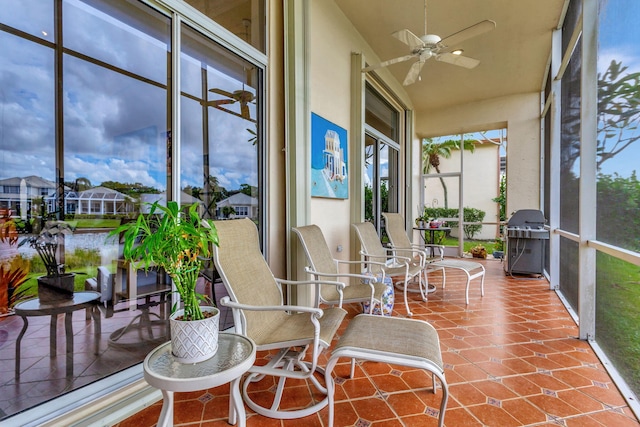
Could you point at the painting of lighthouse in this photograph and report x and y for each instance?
(328, 159)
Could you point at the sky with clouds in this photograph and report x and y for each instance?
(619, 39)
(115, 126)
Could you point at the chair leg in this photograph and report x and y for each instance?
(286, 360)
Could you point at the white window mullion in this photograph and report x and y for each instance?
(588, 170)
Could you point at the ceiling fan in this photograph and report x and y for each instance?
(242, 96)
(432, 45)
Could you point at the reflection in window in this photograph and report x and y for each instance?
(244, 18)
(219, 129)
(89, 140)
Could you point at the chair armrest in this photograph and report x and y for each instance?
(354, 275)
(226, 301)
(413, 251)
(339, 286)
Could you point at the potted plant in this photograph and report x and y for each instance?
(178, 242)
(498, 248)
(479, 251)
(56, 285)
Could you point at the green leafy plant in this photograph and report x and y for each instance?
(176, 241)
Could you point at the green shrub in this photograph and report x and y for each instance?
(469, 215)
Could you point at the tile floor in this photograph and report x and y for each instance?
(43, 378)
(511, 359)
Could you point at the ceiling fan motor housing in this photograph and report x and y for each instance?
(430, 40)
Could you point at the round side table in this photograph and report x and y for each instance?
(235, 355)
(34, 307)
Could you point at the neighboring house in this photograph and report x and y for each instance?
(95, 201)
(17, 193)
(243, 205)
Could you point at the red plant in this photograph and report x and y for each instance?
(12, 276)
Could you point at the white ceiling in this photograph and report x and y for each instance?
(513, 56)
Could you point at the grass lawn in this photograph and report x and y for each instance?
(468, 244)
(618, 316)
(95, 223)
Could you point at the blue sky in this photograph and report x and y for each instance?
(115, 127)
(619, 39)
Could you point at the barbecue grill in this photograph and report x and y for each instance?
(526, 242)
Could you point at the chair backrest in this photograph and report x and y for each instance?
(370, 243)
(319, 257)
(246, 275)
(394, 224)
(105, 281)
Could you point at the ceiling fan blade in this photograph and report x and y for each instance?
(469, 32)
(244, 111)
(413, 73)
(408, 38)
(462, 61)
(389, 62)
(221, 92)
(222, 101)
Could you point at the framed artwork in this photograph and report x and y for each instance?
(329, 177)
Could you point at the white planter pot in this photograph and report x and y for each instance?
(194, 341)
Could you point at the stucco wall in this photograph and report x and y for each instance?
(520, 114)
(331, 44)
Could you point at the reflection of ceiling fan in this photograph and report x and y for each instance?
(431, 45)
(244, 97)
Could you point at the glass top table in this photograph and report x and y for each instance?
(235, 355)
(79, 301)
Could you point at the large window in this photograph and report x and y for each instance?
(87, 136)
(381, 157)
(618, 188)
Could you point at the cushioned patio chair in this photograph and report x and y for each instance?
(402, 245)
(297, 334)
(323, 266)
(404, 269)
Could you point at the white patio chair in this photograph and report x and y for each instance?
(400, 242)
(298, 333)
(403, 268)
(363, 287)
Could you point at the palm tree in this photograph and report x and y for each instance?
(432, 151)
(81, 184)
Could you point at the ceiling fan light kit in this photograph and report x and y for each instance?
(431, 45)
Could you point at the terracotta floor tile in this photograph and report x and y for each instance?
(406, 404)
(522, 386)
(582, 421)
(359, 387)
(492, 415)
(459, 417)
(467, 394)
(511, 358)
(553, 405)
(495, 390)
(615, 418)
(389, 383)
(523, 411)
(372, 409)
